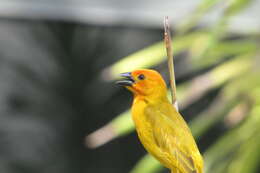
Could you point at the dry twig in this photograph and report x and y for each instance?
(168, 44)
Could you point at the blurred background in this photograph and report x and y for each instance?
(61, 111)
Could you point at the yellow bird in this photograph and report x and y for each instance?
(160, 127)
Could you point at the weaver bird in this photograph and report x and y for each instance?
(160, 127)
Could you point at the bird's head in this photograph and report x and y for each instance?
(144, 82)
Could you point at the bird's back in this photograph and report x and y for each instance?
(165, 134)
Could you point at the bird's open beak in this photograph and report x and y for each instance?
(126, 80)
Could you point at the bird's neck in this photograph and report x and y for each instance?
(151, 99)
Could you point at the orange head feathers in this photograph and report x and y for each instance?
(144, 82)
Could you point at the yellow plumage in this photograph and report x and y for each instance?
(160, 128)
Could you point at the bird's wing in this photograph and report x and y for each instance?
(172, 135)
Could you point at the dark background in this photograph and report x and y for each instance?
(52, 95)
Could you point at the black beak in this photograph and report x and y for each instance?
(126, 80)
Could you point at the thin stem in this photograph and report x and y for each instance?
(168, 44)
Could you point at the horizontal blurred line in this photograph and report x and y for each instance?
(138, 13)
(95, 13)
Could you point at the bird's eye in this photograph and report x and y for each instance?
(141, 77)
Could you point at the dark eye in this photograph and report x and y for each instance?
(141, 77)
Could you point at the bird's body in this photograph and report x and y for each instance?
(160, 128)
(165, 135)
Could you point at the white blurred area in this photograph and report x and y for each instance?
(144, 13)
